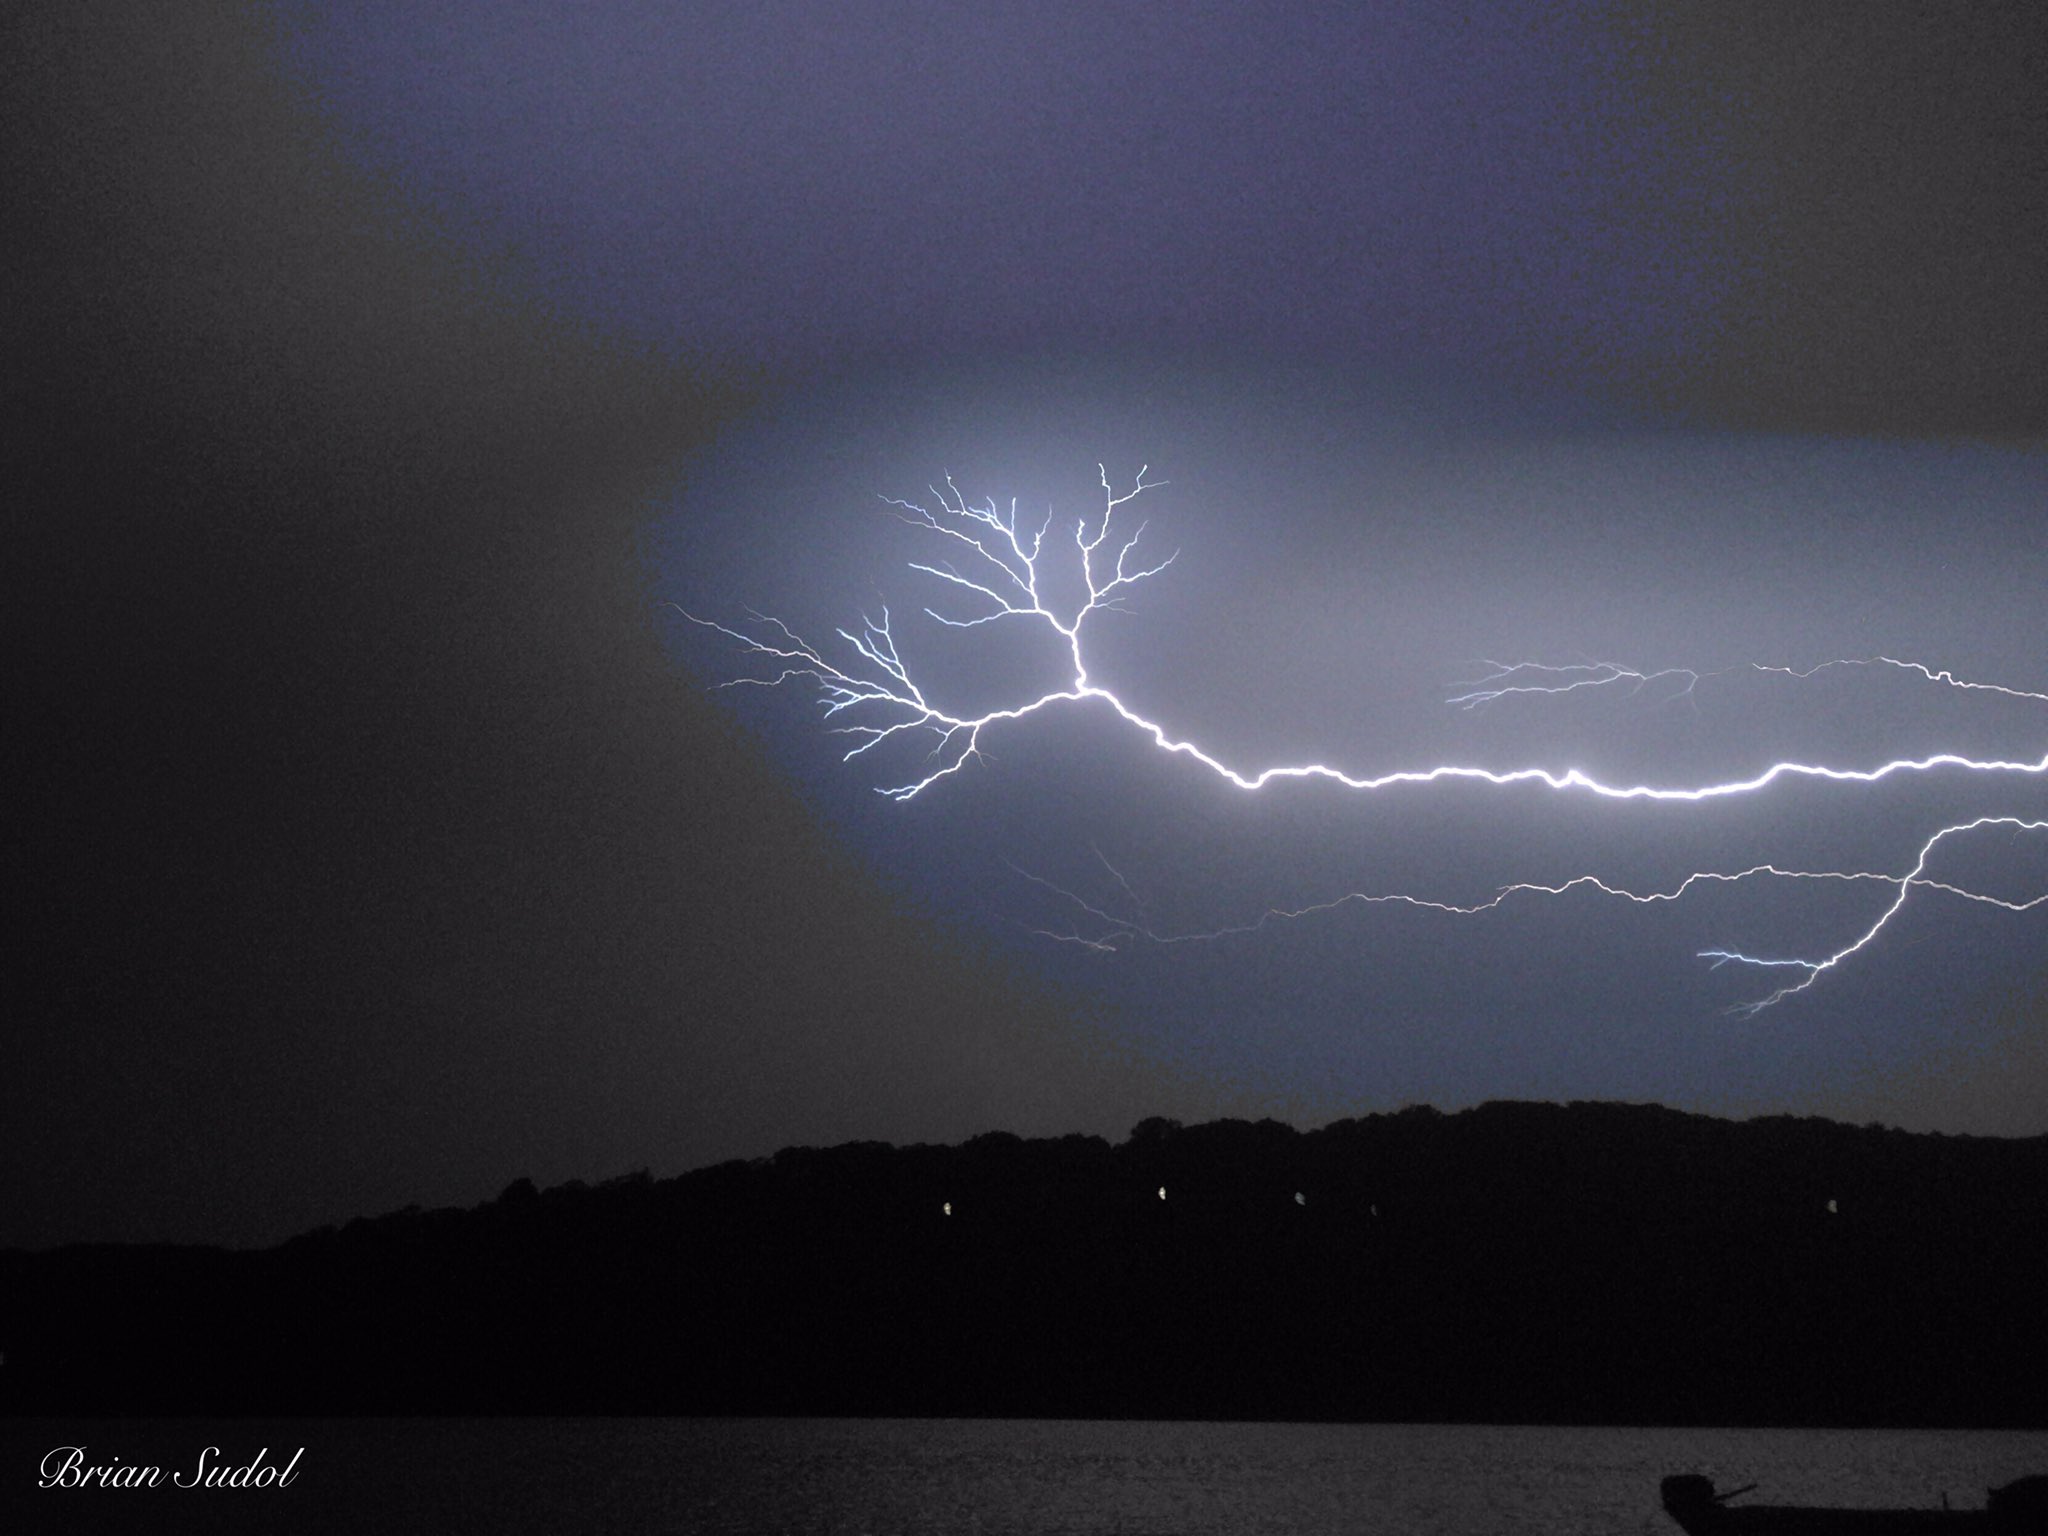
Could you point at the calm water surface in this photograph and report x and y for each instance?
(841, 1477)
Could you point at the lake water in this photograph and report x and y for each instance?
(841, 1477)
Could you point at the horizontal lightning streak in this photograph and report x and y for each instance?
(1118, 930)
(1534, 677)
(1498, 684)
(881, 703)
(842, 691)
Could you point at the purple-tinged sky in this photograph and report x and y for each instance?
(387, 370)
(793, 186)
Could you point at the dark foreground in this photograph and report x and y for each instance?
(2018, 1508)
(1514, 1263)
(940, 1477)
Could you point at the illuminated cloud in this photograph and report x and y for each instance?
(999, 570)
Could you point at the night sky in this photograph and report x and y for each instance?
(388, 377)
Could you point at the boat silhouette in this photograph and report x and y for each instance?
(2019, 1508)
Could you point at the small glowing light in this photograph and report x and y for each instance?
(949, 1207)
(1299, 1198)
(1162, 1191)
(1831, 1208)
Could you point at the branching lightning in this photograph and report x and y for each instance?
(994, 577)
(1115, 930)
(1814, 969)
(996, 552)
(1533, 677)
(1519, 677)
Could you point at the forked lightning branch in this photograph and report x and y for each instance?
(991, 569)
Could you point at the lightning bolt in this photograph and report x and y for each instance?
(1116, 930)
(1535, 677)
(994, 576)
(1515, 677)
(1004, 569)
(1815, 969)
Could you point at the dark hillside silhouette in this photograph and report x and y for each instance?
(1592, 1263)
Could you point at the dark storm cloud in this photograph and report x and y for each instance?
(370, 851)
(1883, 217)
(793, 182)
(1820, 216)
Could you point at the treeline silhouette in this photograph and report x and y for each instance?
(1590, 1263)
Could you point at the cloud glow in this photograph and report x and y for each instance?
(997, 569)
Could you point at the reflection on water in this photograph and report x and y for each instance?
(837, 1477)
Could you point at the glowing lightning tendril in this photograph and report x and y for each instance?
(1114, 930)
(876, 700)
(1529, 677)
